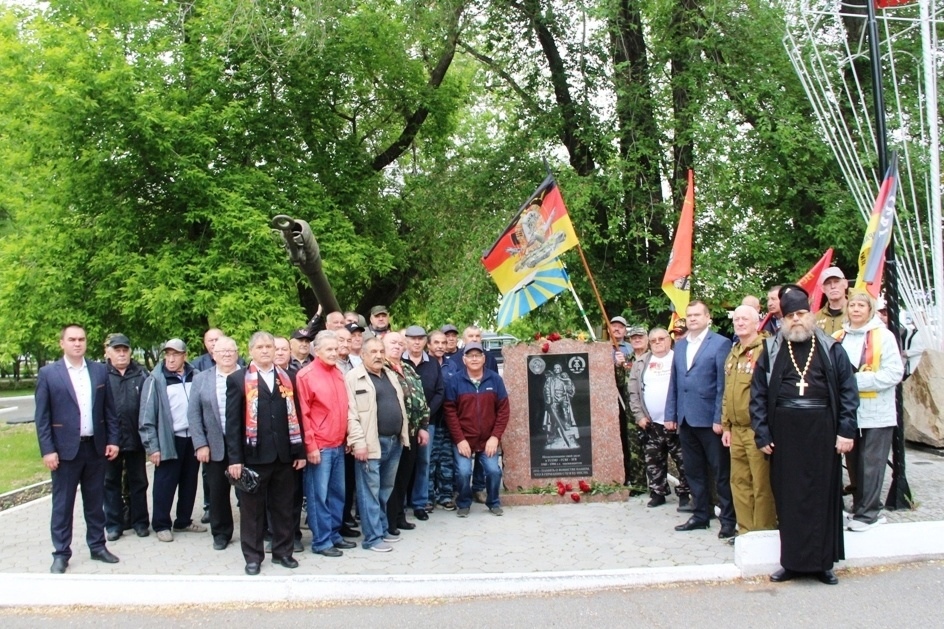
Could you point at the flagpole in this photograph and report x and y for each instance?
(573, 291)
(899, 492)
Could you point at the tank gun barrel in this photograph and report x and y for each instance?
(304, 253)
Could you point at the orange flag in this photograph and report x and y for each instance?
(677, 280)
(811, 284)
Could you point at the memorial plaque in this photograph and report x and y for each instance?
(559, 415)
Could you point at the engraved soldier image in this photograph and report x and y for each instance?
(559, 422)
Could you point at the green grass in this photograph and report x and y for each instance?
(30, 390)
(20, 463)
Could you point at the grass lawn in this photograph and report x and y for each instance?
(26, 390)
(20, 463)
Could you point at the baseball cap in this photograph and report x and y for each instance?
(619, 320)
(118, 340)
(301, 333)
(637, 330)
(474, 345)
(446, 329)
(831, 272)
(414, 330)
(353, 327)
(175, 344)
(376, 310)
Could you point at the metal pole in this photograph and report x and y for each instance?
(899, 493)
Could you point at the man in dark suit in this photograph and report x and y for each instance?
(206, 413)
(263, 432)
(78, 431)
(693, 407)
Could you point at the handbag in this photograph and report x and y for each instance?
(248, 481)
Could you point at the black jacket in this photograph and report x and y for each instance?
(272, 416)
(430, 373)
(126, 393)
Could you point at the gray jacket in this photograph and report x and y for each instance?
(203, 413)
(155, 422)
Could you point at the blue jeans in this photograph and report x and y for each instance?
(374, 481)
(420, 495)
(493, 478)
(324, 493)
(441, 466)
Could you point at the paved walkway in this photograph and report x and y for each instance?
(566, 537)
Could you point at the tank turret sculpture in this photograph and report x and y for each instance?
(303, 252)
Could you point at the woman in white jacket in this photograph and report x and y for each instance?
(874, 354)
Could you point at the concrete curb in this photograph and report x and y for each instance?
(759, 553)
(112, 590)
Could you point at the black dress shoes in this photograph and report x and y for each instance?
(406, 525)
(345, 545)
(220, 543)
(420, 514)
(727, 532)
(252, 568)
(349, 531)
(59, 565)
(685, 505)
(285, 562)
(393, 531)
(827, 577)
(782, 575)
(330, 551)
(657, 500)
(691, 525)
(104, 555)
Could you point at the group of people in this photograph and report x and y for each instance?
(404, 420)
(768, 417)
(326, 418)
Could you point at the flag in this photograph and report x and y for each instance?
(535, 290)
(890, 4)
(811, 284)
(677, 280)
(878, 233)
(539, 233)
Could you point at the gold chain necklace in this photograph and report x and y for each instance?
(802, 384)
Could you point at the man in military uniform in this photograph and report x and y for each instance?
(750, 470)
(829, 317)
(558, 389)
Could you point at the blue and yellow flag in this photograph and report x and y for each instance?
(535, 290)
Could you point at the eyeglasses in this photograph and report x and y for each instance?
(659, 339)
(224, 351)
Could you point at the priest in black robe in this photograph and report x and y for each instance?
(803, 411)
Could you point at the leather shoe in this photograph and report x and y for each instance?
(112, 536)
(691, 524)
(252, 568)
(59, 565)
(104, 555)
(685, 505)
(330, 551)
(142, 531)
(349, 531)
(345, 545)
(727, 532)
(220, 543)
(393, 531)
(783, 575)
(657, 500)
(205, 519)
(406, 525)
(285, 562)
(420, 514)
(827, 577)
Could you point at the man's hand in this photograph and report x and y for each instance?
(203, 454)
(844, 445)
(51, 461)
(360, 453)
(717, 428)
(422, 437)
(464, 449)
(155, 458)
(768, 449)
(299, 464)
(643, 423)
(235, 470)
(618, 359)
(111, 452)
(726, 438)
(671, 426)
(491, 446)
(314, 457)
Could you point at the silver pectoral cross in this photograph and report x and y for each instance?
(801, 385)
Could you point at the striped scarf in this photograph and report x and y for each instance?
(252, 405)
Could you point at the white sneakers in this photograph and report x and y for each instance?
(859, 526)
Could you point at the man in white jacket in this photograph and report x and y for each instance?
(874, 354)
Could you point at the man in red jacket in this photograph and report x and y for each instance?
(323, 401)
(477, 411)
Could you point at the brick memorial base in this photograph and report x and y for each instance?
(607, 454)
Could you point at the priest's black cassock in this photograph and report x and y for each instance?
(802, 423)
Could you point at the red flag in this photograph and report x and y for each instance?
(890, 4)
(678, 273)
(811, 284)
